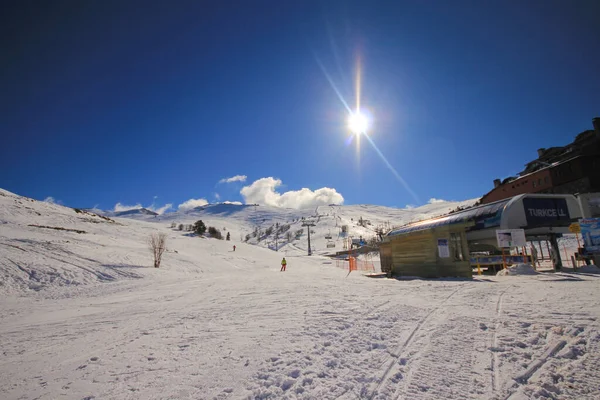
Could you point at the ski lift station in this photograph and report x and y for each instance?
(442, 247)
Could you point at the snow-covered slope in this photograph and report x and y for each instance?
(46, 245)
(83, 315)
(283, 227)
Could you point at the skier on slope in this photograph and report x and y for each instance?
(283, 265)
(234, 247)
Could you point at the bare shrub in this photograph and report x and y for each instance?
(157, 243)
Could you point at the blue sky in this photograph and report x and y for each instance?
(156, 102)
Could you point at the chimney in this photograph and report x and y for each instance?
(497, 182)
(541, 152)
(596, 122)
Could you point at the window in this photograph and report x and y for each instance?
(545, 179)
(540, 182)
(534, 184)
(456, 249)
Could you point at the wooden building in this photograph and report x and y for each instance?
(431, 253)
(439, 247)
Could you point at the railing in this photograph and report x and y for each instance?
(499, 260)
(353, 264)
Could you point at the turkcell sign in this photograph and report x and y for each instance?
(545, 211)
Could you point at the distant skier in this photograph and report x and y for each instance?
(283, 264)
(234, 247)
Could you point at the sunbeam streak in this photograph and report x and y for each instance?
(339, 95)
(357, 85)
(396, 174)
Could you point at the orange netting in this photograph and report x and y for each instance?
(354, 264)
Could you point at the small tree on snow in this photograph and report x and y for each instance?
(157, 243)
(214, 232)
(199, 227)
(180, 227)
(228, 236)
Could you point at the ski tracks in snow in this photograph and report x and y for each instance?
(545, 347)
(391, 375)
(567, 366)
(494, 356)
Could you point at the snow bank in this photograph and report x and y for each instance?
(519, 269)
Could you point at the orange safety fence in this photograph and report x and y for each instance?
(353, 264)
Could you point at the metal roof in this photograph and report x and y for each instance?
(474, 214)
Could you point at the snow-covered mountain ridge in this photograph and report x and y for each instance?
(281, 228)
(46, 247)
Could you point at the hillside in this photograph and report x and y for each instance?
(84, 315)
(54, 251)
(49, 248)
(245, 220)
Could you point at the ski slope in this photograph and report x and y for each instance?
(241, 220)
(83, 316)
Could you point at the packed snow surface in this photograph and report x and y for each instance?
(83, 316)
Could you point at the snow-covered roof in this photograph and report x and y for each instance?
(471, 214)
(504, 214)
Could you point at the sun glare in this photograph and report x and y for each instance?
(358, 123)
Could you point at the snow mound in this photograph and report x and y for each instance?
(519, 269)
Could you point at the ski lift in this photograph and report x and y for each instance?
(330, 244)
(328, 235)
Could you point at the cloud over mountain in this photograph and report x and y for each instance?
(192, 203)
(263, 191)
(159, 210)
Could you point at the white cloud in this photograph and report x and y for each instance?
(235, 203)
(192, 203)
(433, 200)
(262, 191)
(123, 207)
(52, 200)
(217, 196)
(160, 210)
(237, 178)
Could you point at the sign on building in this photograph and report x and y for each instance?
(545, 211)
(443, 249)
(511, 237)
(594, 205)
(590, 230)
(575, 227)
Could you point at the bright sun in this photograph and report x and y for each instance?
(358, 123)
